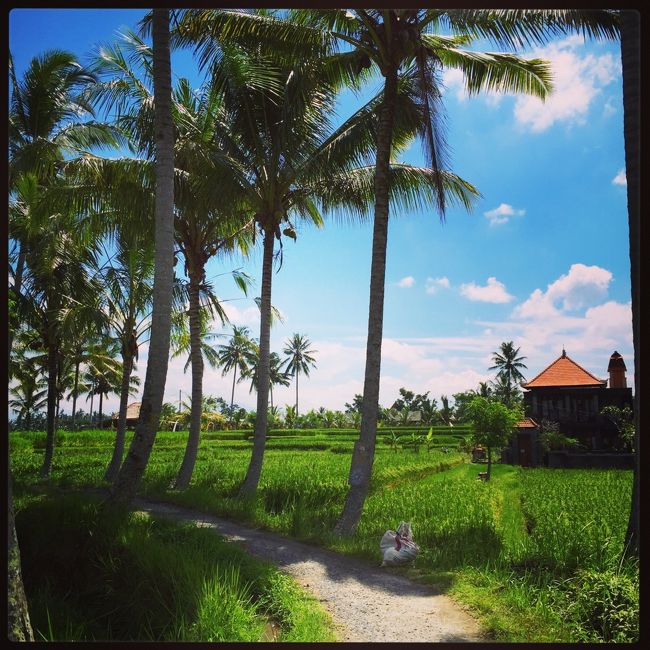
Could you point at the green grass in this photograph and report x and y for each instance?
(92, 575)
(522, 550)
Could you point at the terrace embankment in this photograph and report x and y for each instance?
(367, 603)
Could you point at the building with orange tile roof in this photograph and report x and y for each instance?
(568, 394)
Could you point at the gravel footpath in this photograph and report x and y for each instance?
(366, 603)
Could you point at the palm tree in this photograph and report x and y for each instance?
(630, 57)
(126, 482)
(237, 354)
(394, 40)
(44, 129)
(446, 412)
(292, 159)
(128, 295)
(277, 377)
(58, 291)
(508, 364)
(29, 393)
(104, 373)
(298, 358)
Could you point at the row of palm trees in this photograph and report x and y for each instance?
(256, 150)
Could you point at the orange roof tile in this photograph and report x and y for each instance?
(527, 423)
(564, 371)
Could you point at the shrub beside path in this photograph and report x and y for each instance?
(366, 603)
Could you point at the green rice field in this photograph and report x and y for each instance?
(535, 553)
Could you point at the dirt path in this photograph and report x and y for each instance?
(367, 603)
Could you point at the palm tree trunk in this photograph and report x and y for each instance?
(20, 628)
(297, 374)
(92, 399)
(128, 479)
(118, 447)
(364, 449)
(51, 410)
(189, 459)
(630, 58)
(101, 407)
(74, 395)
(489, 466)
(18, 281)
(232, 395)
(252, 479)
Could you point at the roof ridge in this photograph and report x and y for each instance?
(564, 355)
(585, 370)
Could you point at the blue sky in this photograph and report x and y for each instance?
(541, 260)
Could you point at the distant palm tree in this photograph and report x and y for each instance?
(238, 354)
(277, 377)
(30, 393)
(508, 364)
(446, 412)
(299, 358)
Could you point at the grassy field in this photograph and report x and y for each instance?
(535, 553)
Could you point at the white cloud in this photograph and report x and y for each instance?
(433, 284)
(581, 287)
(620, 178)
(577, 81)
(503, 213)
(453, 79)
(494, 291)
(406, 283)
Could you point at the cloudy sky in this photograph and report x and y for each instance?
(542, 259)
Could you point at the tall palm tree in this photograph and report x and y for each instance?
(44, 128)
(59, 289)
(237, 354)
(299, 358)
(630, 57)
(400, 43)
(130, 474)
(508, 365)
(292, 160)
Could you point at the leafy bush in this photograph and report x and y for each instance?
(605, 606)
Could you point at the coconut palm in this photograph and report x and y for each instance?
(299, 358)
(126, 482)
(44, 128)
(29, 393)
(128, 295)
(59, 290)
(401, 44)
(294, 160)
(238, 354)
(508, 364)
(277, 377)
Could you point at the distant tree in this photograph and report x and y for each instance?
(493, 424)
(446, 412)
(299, 358)
(356, 405)
(238, 354)
(461, 402)
(508, 365)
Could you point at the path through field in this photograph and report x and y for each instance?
(366, 603)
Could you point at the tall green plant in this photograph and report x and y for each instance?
(298, 358)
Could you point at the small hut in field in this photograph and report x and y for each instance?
(132, 415)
